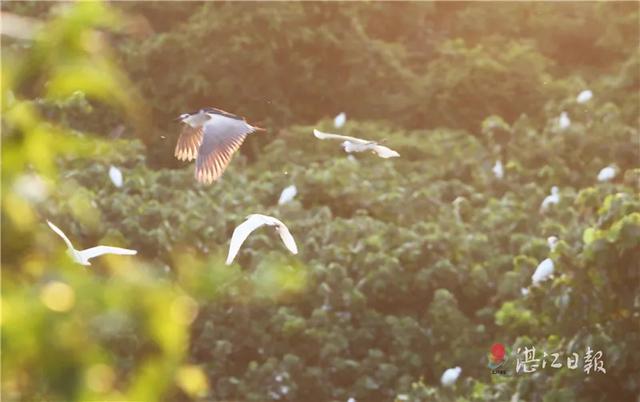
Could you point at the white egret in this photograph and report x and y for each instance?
(83, 256)
(551, 199)
(450, 376)
(211, 137)
(353, 144)
(116, 176)
(552, 242)
(288, 194)
(253, 222)
(607, 173)
(340, 120)
(498, 170)
(584, 96)
(564, 121)
(543, 271)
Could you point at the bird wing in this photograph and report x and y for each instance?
(240, 234)
(100, 250)
(61, 234)
(287, 238)
(328, 136)
(188, 143)
(222, 136)
(225, 113)
(385, 152)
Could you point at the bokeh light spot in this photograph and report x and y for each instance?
(100, 378)
(184, 309)
(58, 296)
(192, 380)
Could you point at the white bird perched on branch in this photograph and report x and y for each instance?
(564, 121)
(552, 198)
(543, 271)
(498, 170)
(83, 256)
(116, 176)
(353, 144)
(287, 194)
(211, 136)
(253, 222)
(450, 376)
(607, 173)
(584, 96)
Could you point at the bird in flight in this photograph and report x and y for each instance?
(211, 136)
(82, 257)
(353, 144)
(253, 222)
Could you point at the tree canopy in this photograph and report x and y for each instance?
(407, 266)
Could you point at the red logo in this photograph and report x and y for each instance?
(498, 355)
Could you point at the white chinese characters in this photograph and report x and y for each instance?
(526, 361)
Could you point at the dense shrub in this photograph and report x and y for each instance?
(397, 286)
(407, 266)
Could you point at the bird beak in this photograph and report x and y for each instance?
(179, 118)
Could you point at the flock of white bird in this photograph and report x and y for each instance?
(564, 121)
(211, 136)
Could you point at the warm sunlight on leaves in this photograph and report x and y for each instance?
(509, 216)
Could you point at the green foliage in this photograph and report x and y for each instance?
(486, 79)
(390, 285)
(436, 65)
(407, 266)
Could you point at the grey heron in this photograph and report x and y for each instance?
(211, 137)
